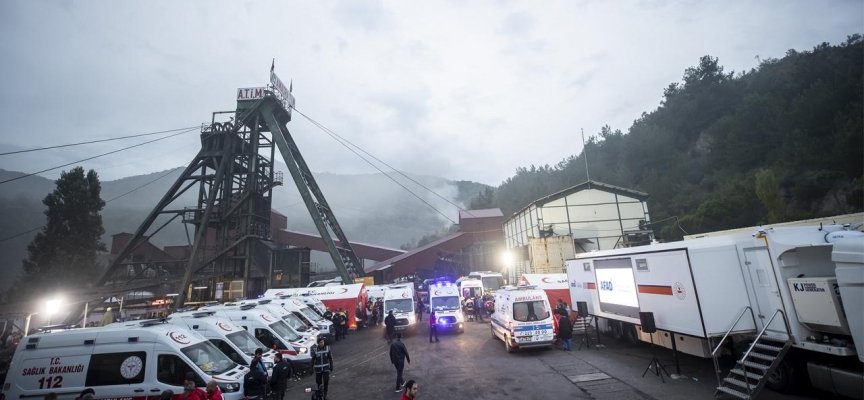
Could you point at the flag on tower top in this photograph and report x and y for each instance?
(291, 86)
(273, 65)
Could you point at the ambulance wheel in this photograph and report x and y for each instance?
(492, 329)
(507, 345)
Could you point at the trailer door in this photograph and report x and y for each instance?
(764, 284)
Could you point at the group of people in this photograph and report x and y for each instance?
(9, 339)
(478, 306)
(339, 320)
(257, 383)
(374, 315)
(565, 325)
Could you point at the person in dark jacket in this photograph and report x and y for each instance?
(254, 382)
(322, 362)
(565, 332)
(433, 327)
(282, 372)
(398, 356)
(390, 326)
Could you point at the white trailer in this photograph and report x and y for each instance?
(774, 292)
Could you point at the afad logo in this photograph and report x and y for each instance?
(223, 326)
(550, 281)
(179, 337)
(264, 317)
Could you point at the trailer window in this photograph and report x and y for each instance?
(530, 311)
(116, 368)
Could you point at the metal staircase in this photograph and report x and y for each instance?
(754, 368)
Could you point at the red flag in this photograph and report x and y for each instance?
(273, 65)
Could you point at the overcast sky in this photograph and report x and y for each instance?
(461, 90)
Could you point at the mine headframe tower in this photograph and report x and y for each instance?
(234, 180)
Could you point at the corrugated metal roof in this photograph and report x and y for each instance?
(486, 213)
(391, 261)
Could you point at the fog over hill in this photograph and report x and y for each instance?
(370, 207)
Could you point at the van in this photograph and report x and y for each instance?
(522, 318)
(119, 361)
(400, 300)
(229, 337)
(271, 331)
(444, 301)
(302, 327)
(297, 293)
(309, 317)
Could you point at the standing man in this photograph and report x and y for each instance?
(213, 392)
(398, 356)
(254, 382)
(282, 372)
(328, 315)
(433, 328)
(478, 308)
(410, 392)
(323, 363)
(390, 326)
(565, 332)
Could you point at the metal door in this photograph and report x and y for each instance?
(764, 284)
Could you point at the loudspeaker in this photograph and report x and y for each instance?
(582, 308)
(647, 321)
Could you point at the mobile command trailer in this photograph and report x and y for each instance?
(135, 360)
(270, 330)
(522, 318)
(444, 301)
(229, 337)
(400, 300)
(778, 293)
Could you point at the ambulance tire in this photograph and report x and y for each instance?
(492, 328)
(510, 349)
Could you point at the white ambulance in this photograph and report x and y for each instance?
(301, 294)
(309, 317)
(234, 341)
(270, 330)
(400, 300)
(136, 360)
(444, 301)
(302, 327)
(522, 318)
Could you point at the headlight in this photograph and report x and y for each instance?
(268, 365)
(460, 317)
(412, 318)
(229, 387)
(303, 350)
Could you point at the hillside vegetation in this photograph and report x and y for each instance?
(730, 149)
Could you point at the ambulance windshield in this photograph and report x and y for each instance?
(208, 357)
(245, 342)
(284, 332)
(530, 311)
(445, 303)
(295, 322)
(311, 315)
(399, 305)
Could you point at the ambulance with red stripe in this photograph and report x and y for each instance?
(522, 318)
(229, 337)
(444, 300)
(136, 360)
(271, 330)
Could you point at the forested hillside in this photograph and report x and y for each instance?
(782, 141)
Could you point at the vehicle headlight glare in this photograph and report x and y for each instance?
(302, 350)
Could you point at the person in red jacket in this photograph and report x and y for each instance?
(433, 329)
(213, 392)
(410, 392)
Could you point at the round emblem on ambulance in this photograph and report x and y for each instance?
(678, 288)
(264, 317)
(297, 303)
(225, 327)
(131, 367)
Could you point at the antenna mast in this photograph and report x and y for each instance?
(585, 153)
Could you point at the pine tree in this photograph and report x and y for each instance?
(64, 254)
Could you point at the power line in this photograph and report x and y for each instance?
(97, 156)
(382, 162)
(334, 136)
(94, 141)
